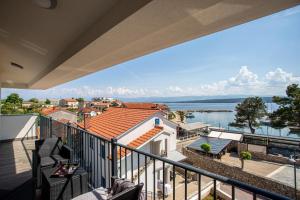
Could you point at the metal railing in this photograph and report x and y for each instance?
(103, 158)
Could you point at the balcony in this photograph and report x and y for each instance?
(101, 159)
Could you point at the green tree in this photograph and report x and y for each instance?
(206, 147)
(245, 155)
(288, 112)
(47, 102)
(34, 100)
(15, 99)
(171, 116)
(114, 104)
(181, 115)
(80, 99)
(249, 112)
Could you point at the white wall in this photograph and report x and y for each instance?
(148, 125)
(17, 126)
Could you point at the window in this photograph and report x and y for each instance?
(157, 122)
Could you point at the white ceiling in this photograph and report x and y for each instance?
(75, 39)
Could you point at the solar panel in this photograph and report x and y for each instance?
(217, 144)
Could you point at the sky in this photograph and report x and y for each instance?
(259, 58)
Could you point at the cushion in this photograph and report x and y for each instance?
(47, 147)
(97, 194)
(121, 185)
(47, 161)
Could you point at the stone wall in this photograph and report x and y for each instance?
(211, 165)
(266, 157)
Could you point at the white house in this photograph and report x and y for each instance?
(144, 129)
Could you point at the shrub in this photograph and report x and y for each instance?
(246, 155)
(206, 147)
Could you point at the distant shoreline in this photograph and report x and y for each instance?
(231, 100)
(208, 110)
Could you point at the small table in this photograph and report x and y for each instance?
(54, 188)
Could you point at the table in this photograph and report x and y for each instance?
(54, 188)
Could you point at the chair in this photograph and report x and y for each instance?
(50, 152)
(132, 192)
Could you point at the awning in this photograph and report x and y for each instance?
(226, 135)
(193, 126)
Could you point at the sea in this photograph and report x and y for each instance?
(222, 119)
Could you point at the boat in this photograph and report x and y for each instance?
(190, 115)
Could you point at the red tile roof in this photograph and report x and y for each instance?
(150, 106)
(116, 121)
(70, 100)
(48, 111)
(141, 140)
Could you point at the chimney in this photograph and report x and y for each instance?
(86, 119)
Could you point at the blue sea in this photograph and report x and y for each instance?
(222, 119)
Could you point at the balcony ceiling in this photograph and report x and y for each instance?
(77, 37)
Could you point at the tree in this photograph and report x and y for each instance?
(80, 100)
(249, 112)
(245, 155)
(34, 100)
(171, 116)
(206, 147)
(15, 99)
(181, 115)
(114, 104)
(97, 99)
(288, 112)
(48, 102)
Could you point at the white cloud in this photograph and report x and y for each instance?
(245, 82)
(280, 76)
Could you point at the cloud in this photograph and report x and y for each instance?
(245, 82)
(280, 76)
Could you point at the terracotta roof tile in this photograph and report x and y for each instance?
(116, 121)
(141, 140)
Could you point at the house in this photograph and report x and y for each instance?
(100, 105)
(26, 104)
(92, 112)
(144, 129)
(71, 103)
(60, 114)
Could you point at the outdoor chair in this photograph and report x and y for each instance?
(121, 189)
(50, 152)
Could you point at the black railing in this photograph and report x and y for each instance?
(103, 158)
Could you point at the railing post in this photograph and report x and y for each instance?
(114, 157)
(50, 126)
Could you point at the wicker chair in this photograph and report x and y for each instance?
(49, 152)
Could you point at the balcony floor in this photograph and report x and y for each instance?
(15, 165)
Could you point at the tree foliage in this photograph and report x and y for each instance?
(34, 100)
(80, 99)
(206, 147)
(15, 99)
(245, 155)
(181, 115)
(249, 112)
(288, 112)
(47, 102)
